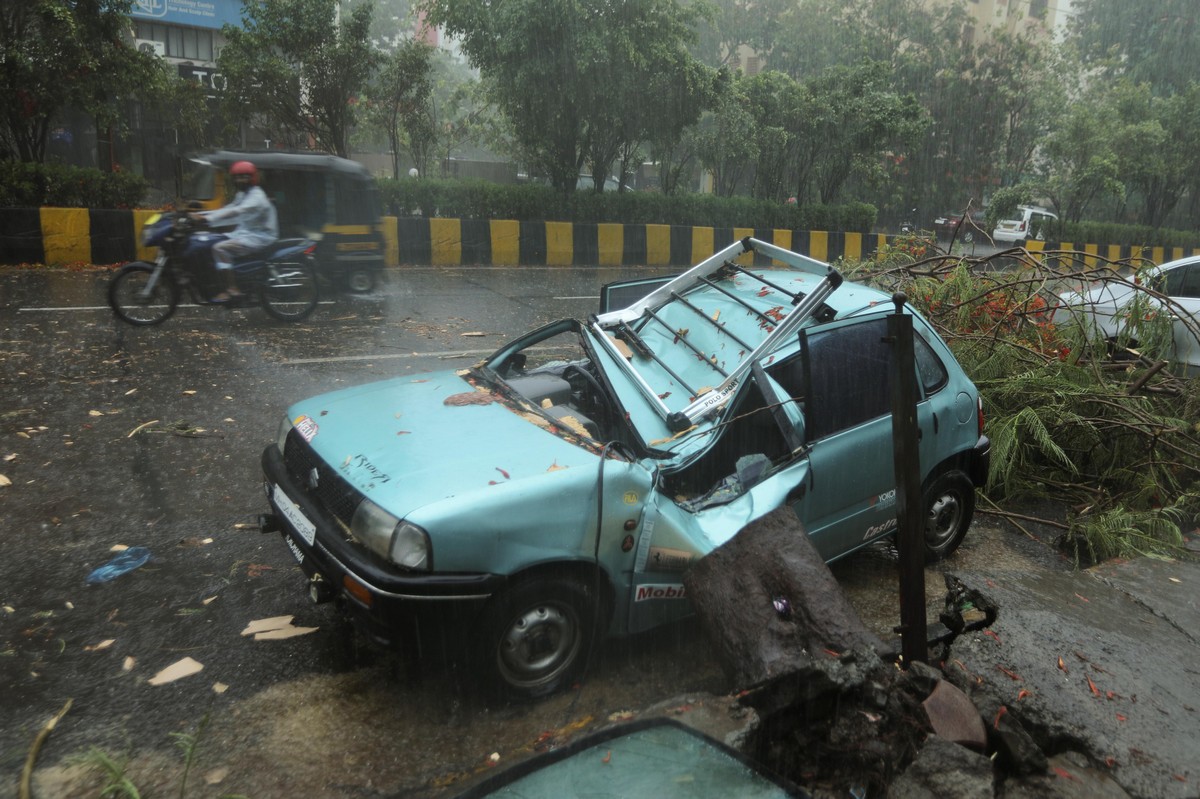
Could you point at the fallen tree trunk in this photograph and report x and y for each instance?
(771, 605)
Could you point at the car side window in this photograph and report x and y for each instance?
(930, 369)
(848, 378)
(1189, 282)
(1169, 282)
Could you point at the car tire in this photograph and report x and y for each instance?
(949, 503)
(536, 637)
(360, 281)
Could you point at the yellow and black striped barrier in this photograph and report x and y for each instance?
(462, 242)
(102, 236)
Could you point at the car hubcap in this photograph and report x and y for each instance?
(360, 281)
(944, 517)
(538, 643)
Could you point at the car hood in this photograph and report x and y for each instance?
(1102, 296)
(408, 442)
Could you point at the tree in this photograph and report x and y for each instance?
(301, 65)
(572, 75)
(775, 102)
(400, 104)
(1077, 163)
(59, 54)
(725, 139)
(1151, 41)
(1154, 141)
(854, 118)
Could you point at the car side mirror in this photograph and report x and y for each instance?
(513, 364)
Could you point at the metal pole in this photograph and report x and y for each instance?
(907, 460)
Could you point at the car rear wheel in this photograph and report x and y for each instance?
(949, 503)
(536, 637)
(360, 281)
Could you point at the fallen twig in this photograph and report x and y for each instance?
(31, 758)
(140, 428)
(1010, 516)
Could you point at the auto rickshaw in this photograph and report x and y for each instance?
(321, 197)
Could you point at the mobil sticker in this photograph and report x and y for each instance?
(660, 591)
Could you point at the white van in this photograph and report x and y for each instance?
(1030, 224)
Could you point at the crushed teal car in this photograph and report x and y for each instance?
(556, 492)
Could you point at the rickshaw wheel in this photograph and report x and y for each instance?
(360, 281)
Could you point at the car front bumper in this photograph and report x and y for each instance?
(389, 605)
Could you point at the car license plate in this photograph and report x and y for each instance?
(291, 512)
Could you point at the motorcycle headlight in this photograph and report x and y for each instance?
(400, 542)
(148, 228)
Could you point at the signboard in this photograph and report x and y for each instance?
(208, 77)
(196, 13)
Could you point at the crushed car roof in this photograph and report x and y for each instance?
(689, 344)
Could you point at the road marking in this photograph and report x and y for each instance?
(577, 298)
(107, 308)
(88, 308)
(389, 356)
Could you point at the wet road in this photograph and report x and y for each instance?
(113, 436)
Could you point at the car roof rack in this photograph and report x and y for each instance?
(805, 305)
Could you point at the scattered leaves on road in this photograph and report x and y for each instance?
(177, 671)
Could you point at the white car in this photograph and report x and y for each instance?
(1031, 223)
(1108, 307)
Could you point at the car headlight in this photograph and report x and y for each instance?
(400, 542)
(285, 427)
(410, 547)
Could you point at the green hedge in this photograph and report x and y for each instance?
(1130, 235)
(31, 185)
(482, 200)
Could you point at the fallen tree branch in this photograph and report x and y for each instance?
(1009, 515)
(31, 758)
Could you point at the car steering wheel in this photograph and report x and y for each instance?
(599, 399)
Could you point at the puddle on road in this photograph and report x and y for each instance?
(871, 580)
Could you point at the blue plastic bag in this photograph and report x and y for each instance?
(124, 562)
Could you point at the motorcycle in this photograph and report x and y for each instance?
(281, 277)
(908, 226)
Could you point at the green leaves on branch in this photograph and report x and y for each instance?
(297, 68)
(1072, 417)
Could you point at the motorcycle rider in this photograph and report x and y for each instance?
(256, 220)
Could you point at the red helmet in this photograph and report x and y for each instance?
(244, 168)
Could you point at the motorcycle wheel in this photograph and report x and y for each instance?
(289, 290)
(137, 297)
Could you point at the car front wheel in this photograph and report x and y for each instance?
(949, 503)
(536, 637)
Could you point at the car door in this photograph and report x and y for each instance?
(1183, 287)
(624, 293)
(842, 380)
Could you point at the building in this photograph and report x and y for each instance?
(1039, 18)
